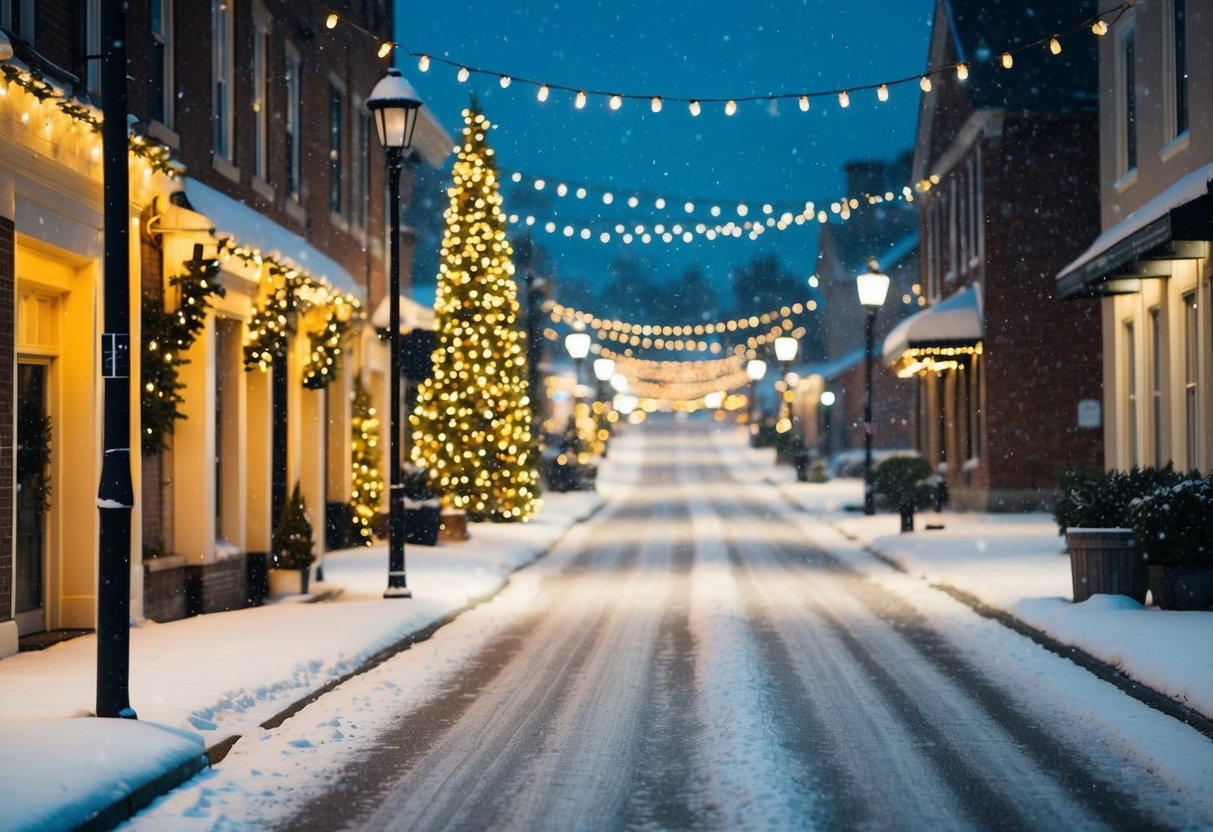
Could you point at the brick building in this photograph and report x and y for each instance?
(255, 150)
(1006, 166)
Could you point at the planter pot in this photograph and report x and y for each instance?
(1182, 587)
(453, 527)
(1108, 562)
(289, 581)
(421, 525)
(801, 462)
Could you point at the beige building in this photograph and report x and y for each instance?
(1151, 265)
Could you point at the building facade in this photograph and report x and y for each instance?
(253, 164)
(1150, 265)
(1004, 378)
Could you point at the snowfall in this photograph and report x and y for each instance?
(200, 682)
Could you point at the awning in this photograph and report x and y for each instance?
(949, 328)
(248, 228)
(413, 315)
(1175, 225)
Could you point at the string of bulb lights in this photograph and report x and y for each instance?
(570, 315)
(1097, 25)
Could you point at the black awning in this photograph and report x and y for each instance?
(1176, 225)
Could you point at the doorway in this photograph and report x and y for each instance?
(32, 497)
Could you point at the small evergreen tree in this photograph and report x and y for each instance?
(366, 491)
(292, 541)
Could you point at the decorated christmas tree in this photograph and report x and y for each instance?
(367, 480)
(472, 423)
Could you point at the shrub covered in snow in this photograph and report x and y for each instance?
(1101, 499)
(1174, 524)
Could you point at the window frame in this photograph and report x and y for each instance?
(1129, 334)
(1191, 346)
(1127, 139)
(1157, 376)
(161, 95)
(223, 117)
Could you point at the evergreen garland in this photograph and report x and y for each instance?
(366, 493)
(269, 327)
(166, 336)
(326, 352)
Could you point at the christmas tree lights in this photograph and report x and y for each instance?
(472, 423)
(366, 482)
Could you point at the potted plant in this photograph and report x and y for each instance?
(293, 548)
(422, 507)
(904, 482)
(801, 457)
(1092, 511)
(1174, 528)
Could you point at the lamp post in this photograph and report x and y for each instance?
(785, 351)
(872, 286)
(755, 369)
(604, 368)
(578, 345)
(827, 403)
(395, 107)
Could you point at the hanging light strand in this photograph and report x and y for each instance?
(729, 104)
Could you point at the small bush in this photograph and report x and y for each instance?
(1173, 524)
(1100, 500)
(904, 482)
(292, 540)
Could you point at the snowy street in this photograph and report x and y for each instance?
(702, 655)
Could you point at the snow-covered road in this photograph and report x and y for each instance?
(691, 659)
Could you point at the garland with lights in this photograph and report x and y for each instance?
(269, 327)
(472, 423)
(1098, 25)
(322, 366)
(166, 337)
(366, 480)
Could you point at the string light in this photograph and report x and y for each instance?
(1007, 60)
(1098, 25)
(924, 83)
(844, 99)
(331, 21)
(730, 108)
(882, 92)
(385, 49)
(505, 81)
(543, 93)
(423, 63)
(616, 102)
(579, 102)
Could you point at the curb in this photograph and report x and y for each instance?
(126, 807)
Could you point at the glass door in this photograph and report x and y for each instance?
(33, 494)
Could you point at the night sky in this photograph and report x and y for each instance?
(707, 48)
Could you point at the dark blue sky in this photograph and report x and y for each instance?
(709, 48)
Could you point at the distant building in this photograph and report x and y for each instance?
(1151, 265)
(1005, 164)
(886, 231)
(255, 146)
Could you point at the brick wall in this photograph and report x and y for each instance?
(1042, 355)
(8, 303)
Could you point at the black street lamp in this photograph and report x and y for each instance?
(872, 286)
(395, 106)
(755, 369)
(785, 352)
(827, 404)
(578, 345)
(604, 368)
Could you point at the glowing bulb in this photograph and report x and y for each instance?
(730, 108)
(962, 71)
(579, 102)
(505, 81)
(844, 99)
(616, 102)
(924, 83)
(1007, 60)
(463, 74)
(331, 21)
(882, 92)
(1055, 46)
(385, 49)
(543, 93)
(1099, 28)
(694, 108)
(655, 104)
(423, 63)
(804, 103)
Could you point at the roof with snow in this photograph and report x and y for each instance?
(953, 321)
